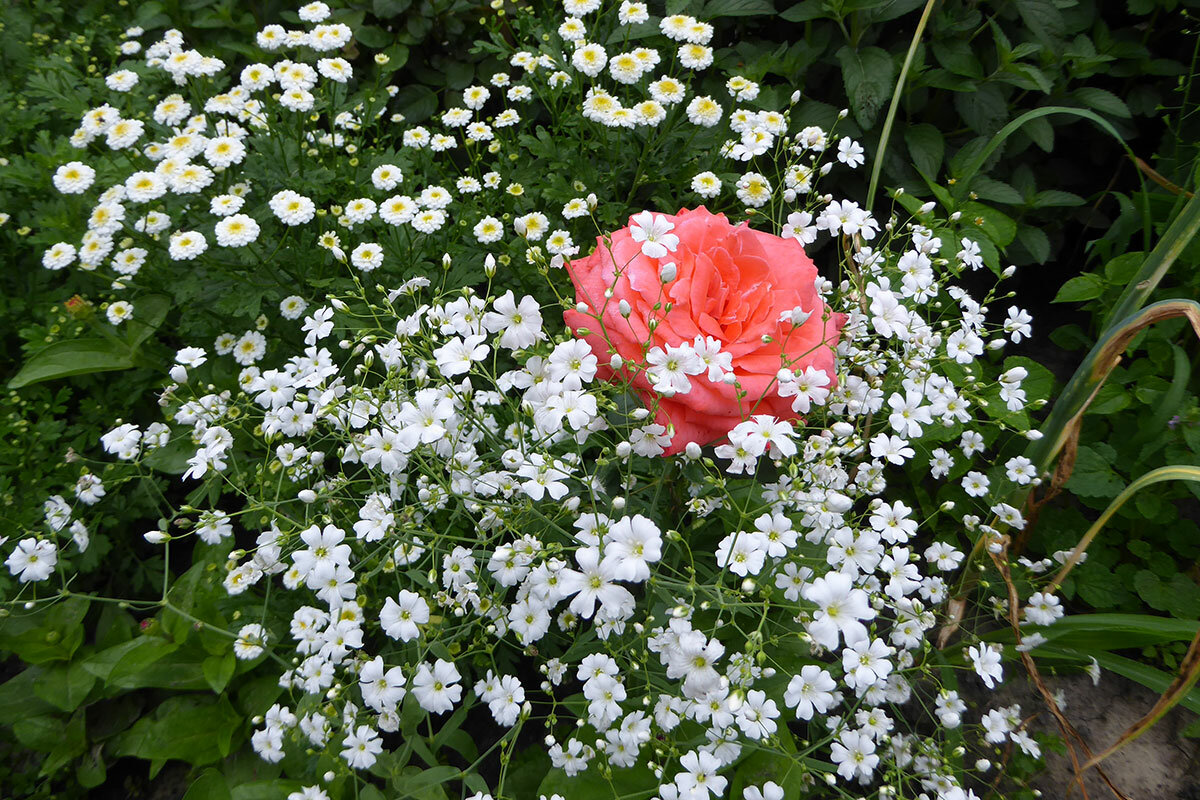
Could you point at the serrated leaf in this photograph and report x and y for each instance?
(1054, 198)
(73, 357)
(1035, 241)
(867, 74)
(985, 110)
(1042, 18)
(1101, 100)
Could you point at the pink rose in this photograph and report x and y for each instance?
(731, 285)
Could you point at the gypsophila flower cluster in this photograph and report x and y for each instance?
(432, 498)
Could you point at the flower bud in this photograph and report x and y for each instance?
(842, 114)
(156, 537)
(489, 266)
(667, 272)
(624, 449)
(446, 261)
(1009, 271)
(618, 502)
(592, 202)
(616, 362)
(795, 97)
(926, 207)
(179, 373)
(692, 451)
(307, 496)
(582, 307)
(624, 308)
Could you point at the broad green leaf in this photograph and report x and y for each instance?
(1101, 100)
(18, 699)
(636, 781)
(390, 8)
(51, 633)
(736, 8)
(373, 37)
(218, 670)
(1035, 241)
(73, 357)
(1043, 19)
(867, 74)
(64, 685)
(959, 57)
(210, 785)
(416, 102)
(984, 110)
(927, 148)
(1052, 198)
(1122, 268)
(892, 9)
(149, 311)
(996, 191)
(1087, 286)
(998, 226)
(266, 790)
(1094, 633)
(196, 730)
(91, 770)
(415, 781)
(804, 11)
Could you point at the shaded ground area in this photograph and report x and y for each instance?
(1159, 765)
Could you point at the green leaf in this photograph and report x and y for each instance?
(211, 785)
(65, 685)
(18, 699)
(1087, 286)
(416, 102)
(1054, 198)
(91, 771)
(1094, 633)
(959, 57)
(218, 670)
(373, 37)
(1122, 268)
(390, 8)
(149, 311)
(415, 781)
(266, 790)
(927, 148)
(996, 191)
(999, 227)
(984, 110)
(1035, 241)
(636, 781)
(892, 9)
(73, 357)
(1101, 100)
(1043, 19)
(199, 731)
(736, 8)
(804, 11)
(51, 633)
(867, 74)
(1094, 475)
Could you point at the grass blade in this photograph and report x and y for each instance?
(877, 165)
